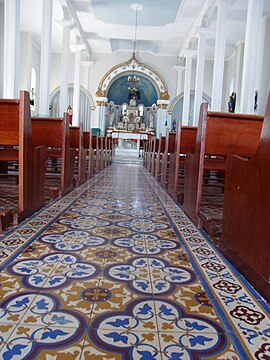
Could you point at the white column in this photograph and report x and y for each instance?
(65, 24)
(1, 49)
(100, 112)
(263, 67)
(26, 61)
(189, 54)
(202, 33)
(162, 117)
(45, 60)
(238, 73)
(219, 58)
(11, 48)
(87, 64)
(180, 69)
(253, 29)
(77, 83)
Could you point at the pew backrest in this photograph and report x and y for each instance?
(218, 135)
(16, 130)
(54, 134)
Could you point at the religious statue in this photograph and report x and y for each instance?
(32, 97)
(69, 110)
(70, 113)
(111, 113)
(132, 101)
(174, 126)
(256, 102)
(151, 120)
(231, 102)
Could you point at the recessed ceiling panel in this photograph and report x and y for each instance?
(152, 14)
(141, 45)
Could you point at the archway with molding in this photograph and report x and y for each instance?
(133, 66)
(87, 105)
(175, 107)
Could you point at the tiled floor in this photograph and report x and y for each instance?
(115, 270)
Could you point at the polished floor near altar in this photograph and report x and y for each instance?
(115, 270)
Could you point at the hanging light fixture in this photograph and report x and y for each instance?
(133, 79)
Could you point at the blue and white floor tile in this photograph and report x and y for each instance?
(115, 270)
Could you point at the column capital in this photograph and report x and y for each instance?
(77, 47)
(65, 23)
(189, 53)
(87, 63)
(179, 68)
(225, 2)
(163, 103)
(204, 32)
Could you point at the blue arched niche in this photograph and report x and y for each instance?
(118, 91)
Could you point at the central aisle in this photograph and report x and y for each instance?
(115, 270)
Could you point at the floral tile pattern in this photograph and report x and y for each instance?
(115, 270)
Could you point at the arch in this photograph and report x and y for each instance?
(130, 67)
(176, 106)
(87, 104)
(118, 90)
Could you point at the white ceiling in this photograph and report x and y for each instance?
(165, 27)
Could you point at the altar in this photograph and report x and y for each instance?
(128, 140)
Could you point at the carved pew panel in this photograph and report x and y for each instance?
(218, 135)
(54, 134)
(154, 155)
(246, 217)
(184, 143)
(16, 146)
(76, 142)
(158, 156)
(169, 149)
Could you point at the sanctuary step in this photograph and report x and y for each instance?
(127, 160)
(127, 156)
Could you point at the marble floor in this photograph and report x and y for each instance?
(115, 270)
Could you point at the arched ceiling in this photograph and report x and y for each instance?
(165, 27)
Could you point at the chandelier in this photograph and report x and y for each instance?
(133, 79)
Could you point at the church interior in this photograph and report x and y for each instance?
(134, 179)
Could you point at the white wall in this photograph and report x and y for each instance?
(56, 70)
(1, 48)
(104, 62)
(30, 57)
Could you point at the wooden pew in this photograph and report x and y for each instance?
(153, 155)
(147, 152)
(109, 150)
(87, 144)
(101, 154)
(158, 156)
(54, 134)
(218, 135)
(246, 218)
(169, 149)
(16, 146)
(96, 153)
(104, 152)
(76, 142)
(184, 143)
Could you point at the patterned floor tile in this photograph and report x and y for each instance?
(115, 270)
(40, 342)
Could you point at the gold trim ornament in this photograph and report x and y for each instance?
(133, 65)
